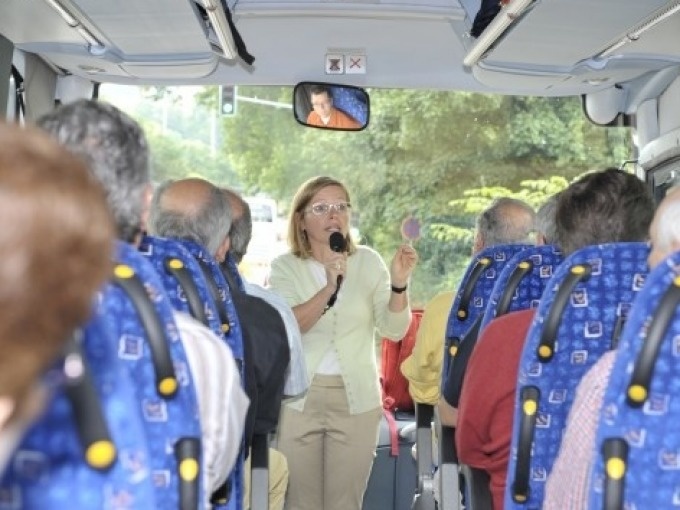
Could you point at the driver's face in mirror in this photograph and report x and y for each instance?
(331, 106)
(323, 105)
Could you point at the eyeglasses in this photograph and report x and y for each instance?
(322, 208)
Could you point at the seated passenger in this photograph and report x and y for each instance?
(296, 382)
(56, 244)
(194, 209)
(423, 367)
(505, 221)
(601, 207)
(567, 484)
(116, 150)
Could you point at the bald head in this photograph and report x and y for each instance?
(664, 232)
(188, 196)
(505, 221)
(195, 210)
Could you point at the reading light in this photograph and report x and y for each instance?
(643, 27)
(221, 27)
(68, 18)
(508, 15)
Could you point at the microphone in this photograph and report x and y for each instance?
(338, 245)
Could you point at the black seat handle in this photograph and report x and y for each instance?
(520, 271)
(187, 455)
(615, 456)
(643, 370)
(464, 303)
(93, 431)
(175, 267)
(164, 370)
(215, 293)
(546, 346)
(529, 399)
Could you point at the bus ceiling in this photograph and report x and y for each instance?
(531, 47)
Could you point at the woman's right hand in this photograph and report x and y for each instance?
(336, 265)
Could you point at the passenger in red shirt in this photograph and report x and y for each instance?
(601, 207)
(487, 401)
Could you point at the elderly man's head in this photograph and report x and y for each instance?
(505, 221)
(195, 210)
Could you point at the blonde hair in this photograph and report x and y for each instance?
(297, 237)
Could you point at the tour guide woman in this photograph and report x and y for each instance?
(339, 299)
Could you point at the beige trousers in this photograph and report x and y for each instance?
(330, 452)
(278, 480)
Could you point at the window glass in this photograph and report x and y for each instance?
(433, 156)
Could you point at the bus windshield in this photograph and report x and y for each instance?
(436, 157)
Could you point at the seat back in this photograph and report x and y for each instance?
(578, 319)
(473, 295)
(182, 280)
(140, 317)
(65, 462)
(189, 292)
(352, 102)
(231, 332)
(522, 281)
(636, 460)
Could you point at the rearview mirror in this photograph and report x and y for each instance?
(331, 106)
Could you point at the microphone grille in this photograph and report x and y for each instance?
(337, 242)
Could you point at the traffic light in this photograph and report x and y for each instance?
(228, 99)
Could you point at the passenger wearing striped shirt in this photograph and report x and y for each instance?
(567, 484)
(116, 150)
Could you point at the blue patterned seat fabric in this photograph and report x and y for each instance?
(537, 265)
(468, 306)
(49, 469)
(350, 101)
(169, 420)
(233, 336)
(231, 330)
(598, 285)
(649, 431)
(158, 250)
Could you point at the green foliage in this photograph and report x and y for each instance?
(439, 156)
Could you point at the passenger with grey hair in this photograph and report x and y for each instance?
(196, 210)
(505, 221)
(116, 151)
(192, 209)
(257, 306)
(240, 234)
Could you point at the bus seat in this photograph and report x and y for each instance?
(52, 468)
(231, 332)
(463, 326)
(140, 315)
(522, 281)
(182, 279)
(473, 294)
(580, 313)
(519, 287)
(636, 461)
